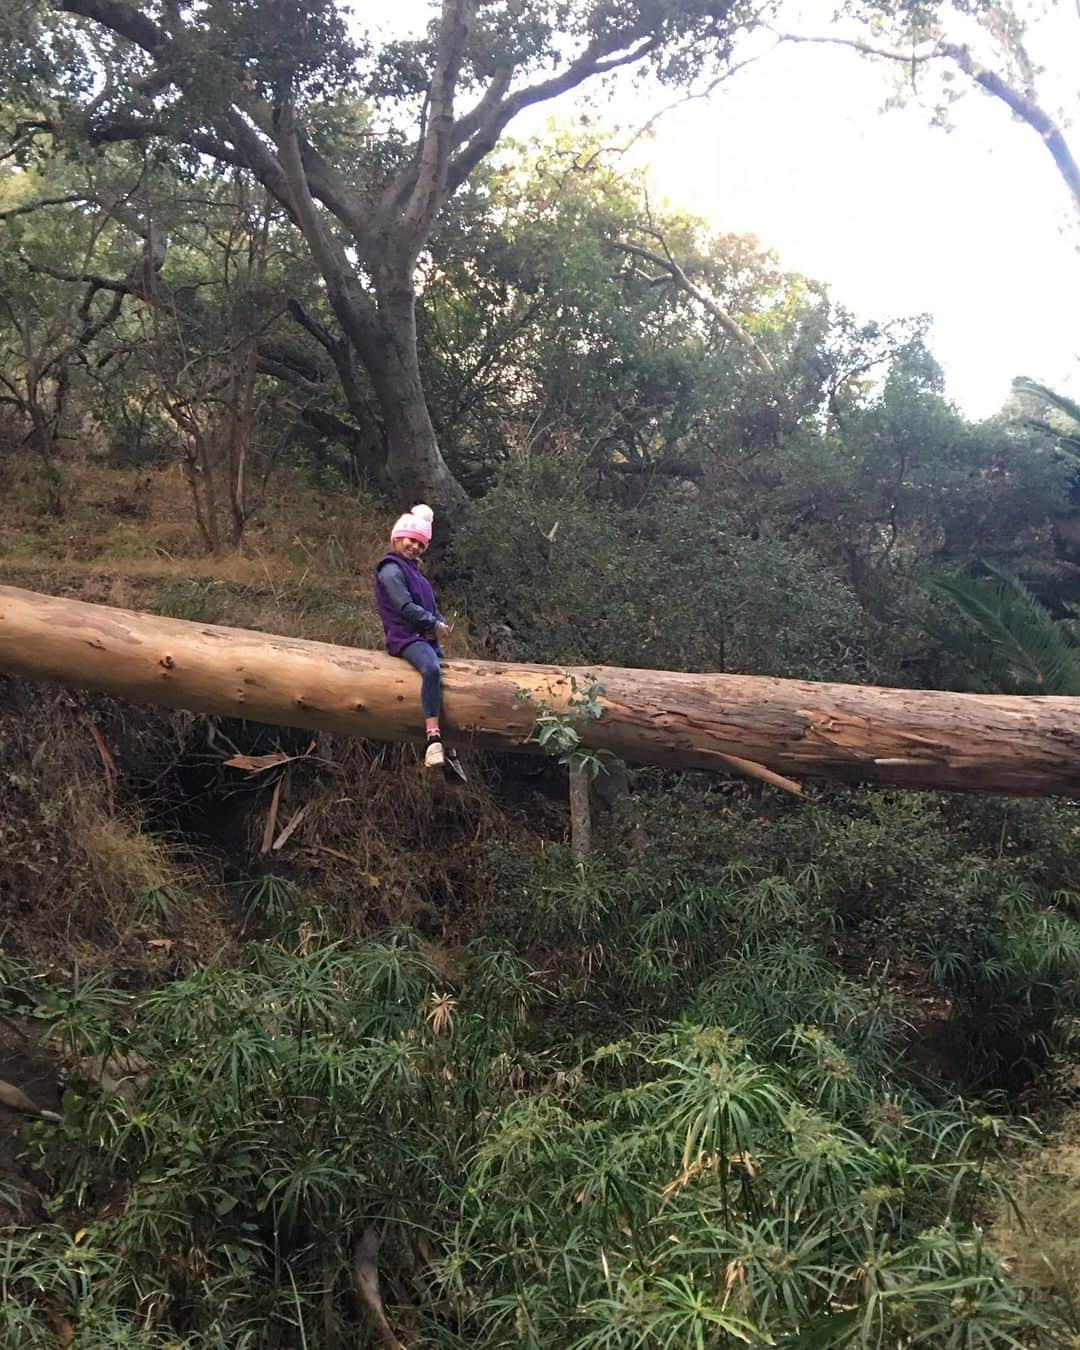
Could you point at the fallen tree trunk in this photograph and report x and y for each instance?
(905, 737)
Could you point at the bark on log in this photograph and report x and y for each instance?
(854, 733)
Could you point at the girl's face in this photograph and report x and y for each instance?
(408, 548)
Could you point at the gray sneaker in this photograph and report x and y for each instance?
(434, 758)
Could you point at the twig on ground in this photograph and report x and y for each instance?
(109, 764)
(271, 818)
(287, 833)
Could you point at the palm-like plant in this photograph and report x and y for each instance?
(1067, 437)
(684, 1184)
(1024, 650)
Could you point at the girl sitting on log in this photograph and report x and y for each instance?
(411, 619)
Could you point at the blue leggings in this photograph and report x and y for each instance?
(425, 658)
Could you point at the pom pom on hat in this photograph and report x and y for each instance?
(414, 524)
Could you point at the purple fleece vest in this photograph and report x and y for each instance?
(400, 634)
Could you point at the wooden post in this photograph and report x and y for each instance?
(580, 819)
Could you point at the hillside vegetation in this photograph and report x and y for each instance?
(759, 1069)
(301, 1046)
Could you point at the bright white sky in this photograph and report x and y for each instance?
(972, 226)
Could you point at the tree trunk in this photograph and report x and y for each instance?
(904, 737)
(415, 464)
(43, 438)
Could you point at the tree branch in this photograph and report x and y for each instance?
(92, 327)
(434, 150)
(91, 278)
(132, 128)
(23, 133)
(727, 323)
(341, 353)
(327, 251)
(268, 364)
(27, 207)
(1019, 103)
(1029, 112)
(120, 18)
(355, 312)
(298, 362)
(330, 188)
(248, 149)
(598, 58)
(666, 468)
(318, 331)
(364, 443)
(366, 1280)
(468, 123)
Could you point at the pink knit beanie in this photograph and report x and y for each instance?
(414, 524)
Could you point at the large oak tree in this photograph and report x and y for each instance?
(362, 143)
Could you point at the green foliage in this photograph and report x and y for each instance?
(678, 1096)
(80, 1016)
(973, 902)
(558, 734)
(900, 480)
(671, 587)
(680, 1184)
(651, 1102)
(999, 945)
(538, 330)
(1029, 653)
(1066, 431)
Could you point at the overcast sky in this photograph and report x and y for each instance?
(972, 225)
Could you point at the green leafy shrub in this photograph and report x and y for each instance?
(688, 1182)
(579, 581)
(971, 901)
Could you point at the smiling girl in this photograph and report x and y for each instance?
(411, 619)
